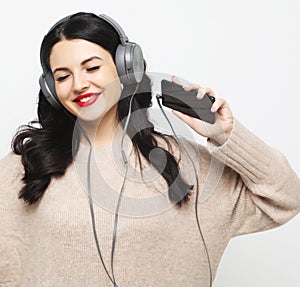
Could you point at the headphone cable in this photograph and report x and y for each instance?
(91, 206)
(197, 190)
(125, 161)
(76, 124)
(112, 278)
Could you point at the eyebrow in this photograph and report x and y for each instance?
(82, 64)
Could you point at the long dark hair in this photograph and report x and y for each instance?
(47, 145)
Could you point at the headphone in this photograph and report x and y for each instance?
(129, 62)
(130, 65)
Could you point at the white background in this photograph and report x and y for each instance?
(246, 51)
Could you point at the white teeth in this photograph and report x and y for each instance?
(86, 99)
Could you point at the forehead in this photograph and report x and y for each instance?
(73, 52)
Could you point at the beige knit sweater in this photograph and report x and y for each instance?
(158, 244)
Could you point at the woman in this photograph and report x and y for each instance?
(50, 225)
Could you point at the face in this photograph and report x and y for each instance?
(86, 79)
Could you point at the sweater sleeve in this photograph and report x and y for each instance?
(12, 221)
(264, 191)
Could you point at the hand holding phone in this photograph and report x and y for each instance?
(175, 97)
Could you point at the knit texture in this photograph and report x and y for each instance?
(244, 185)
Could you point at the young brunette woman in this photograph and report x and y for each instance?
(63, 222)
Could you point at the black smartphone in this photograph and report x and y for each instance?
(175, 97)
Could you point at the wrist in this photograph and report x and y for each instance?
(222, 138)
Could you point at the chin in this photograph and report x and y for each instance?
(90, 117)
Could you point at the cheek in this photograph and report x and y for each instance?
(108, 76)
(114, 90)
(109, 80)
(62, 91)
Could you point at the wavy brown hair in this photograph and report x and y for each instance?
(47, 145)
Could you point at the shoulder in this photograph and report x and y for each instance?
(11, 166)
(11, 174)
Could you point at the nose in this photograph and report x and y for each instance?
(80, 83)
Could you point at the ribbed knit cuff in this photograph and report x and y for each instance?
(245, 153)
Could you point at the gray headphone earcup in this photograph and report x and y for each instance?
(120, 62)
(47, 86)
(130, 63)
(138, 63)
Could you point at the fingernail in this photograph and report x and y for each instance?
(200, 95)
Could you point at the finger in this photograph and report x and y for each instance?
(175, 80)
(202, 91)
(181, 115)
(217, 105)
(200, 95)
(192, 87)
(209, 91)
(196, 124)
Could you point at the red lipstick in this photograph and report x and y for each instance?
(86, 99)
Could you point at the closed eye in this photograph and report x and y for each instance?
(94, 68)
(59, 79)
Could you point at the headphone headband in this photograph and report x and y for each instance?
(122, 36)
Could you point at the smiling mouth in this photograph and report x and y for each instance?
(86, 99)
